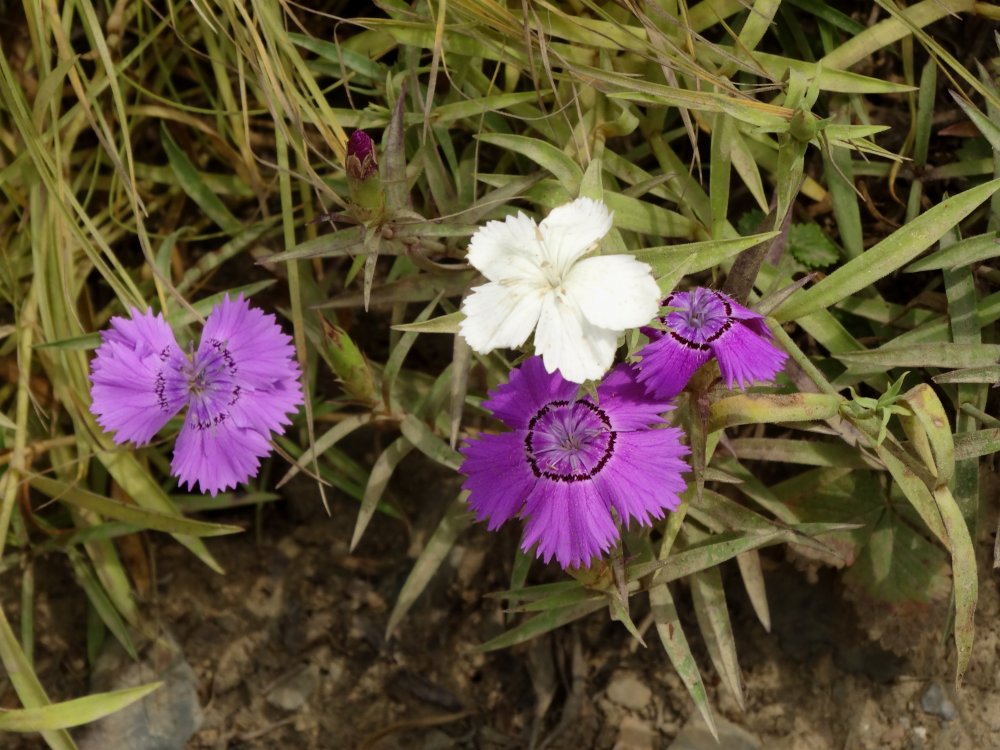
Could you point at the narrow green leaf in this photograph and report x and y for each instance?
(713, 620)
(346, 242)
(965, 575)
(767, 409)
(929, 413)
(140, 486)
(892, 253)
(101, 601)
(885, 33)
(456, 519)
(73, 713)
(544, 154)
(192, 184)
(915, 490)
(976, 444)
(807, 452)
(989, 129)
(324, 443)
(382, 472)
(542, 623)
(752, 573)
(675, 643)
(962, 253)
(424, 439)
(132, 514)
(644, 217)
(716, 550)
(988, 374)
(442, 324)
(29, 689)
(941, 354)
(699, 256)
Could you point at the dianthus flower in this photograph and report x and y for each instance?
(706, 323)
(572, 466)
(240, 385)
(540, 280)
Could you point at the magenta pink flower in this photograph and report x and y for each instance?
(570, 465)
(706, 323)
(241, 385)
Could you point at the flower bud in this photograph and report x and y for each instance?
(363, 179)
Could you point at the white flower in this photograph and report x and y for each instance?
(538, 276)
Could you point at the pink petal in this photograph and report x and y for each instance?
(262, 355)
(626, 401)
(137, 383)
(217, 456)
(569, 521)
(529, 389)
(643, 477)
(498, 476)
(745, 357)
(668, 364)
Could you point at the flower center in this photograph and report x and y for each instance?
(211, 385)
(569, 441)
(702, 317)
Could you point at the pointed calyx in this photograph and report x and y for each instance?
(363, 179)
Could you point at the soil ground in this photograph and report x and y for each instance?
(288, 651)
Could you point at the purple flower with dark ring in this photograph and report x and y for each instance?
(574, 468)
(240, 385)
(703, 324)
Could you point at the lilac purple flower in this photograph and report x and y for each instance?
(571, 466)
(706, 323)
(240, 385)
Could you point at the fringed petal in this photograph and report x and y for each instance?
(504, 249)
(529, 388)
(613, 291)
(246, 369)
(746, 357)
(569, 343)
(569, 521)
(627, 403)
(500, 315)
(643, 477)
(250, 344)
(137, 382)
(667, 364)
(570, 230)
(498, 478)
(217, 456)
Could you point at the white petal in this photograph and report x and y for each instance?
(500, 315)
(613, 291)
(506, 249)
(569, 231)
(570, 344)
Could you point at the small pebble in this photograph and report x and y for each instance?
(697, 736)
(292, 693)
(935, 702)
(628, 691)
(635, 734)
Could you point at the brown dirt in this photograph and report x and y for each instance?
(295, 602)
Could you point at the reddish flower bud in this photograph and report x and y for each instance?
(362, 162)
(363, 179)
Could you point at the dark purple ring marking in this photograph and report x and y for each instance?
(609, 449)
(697, 346)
